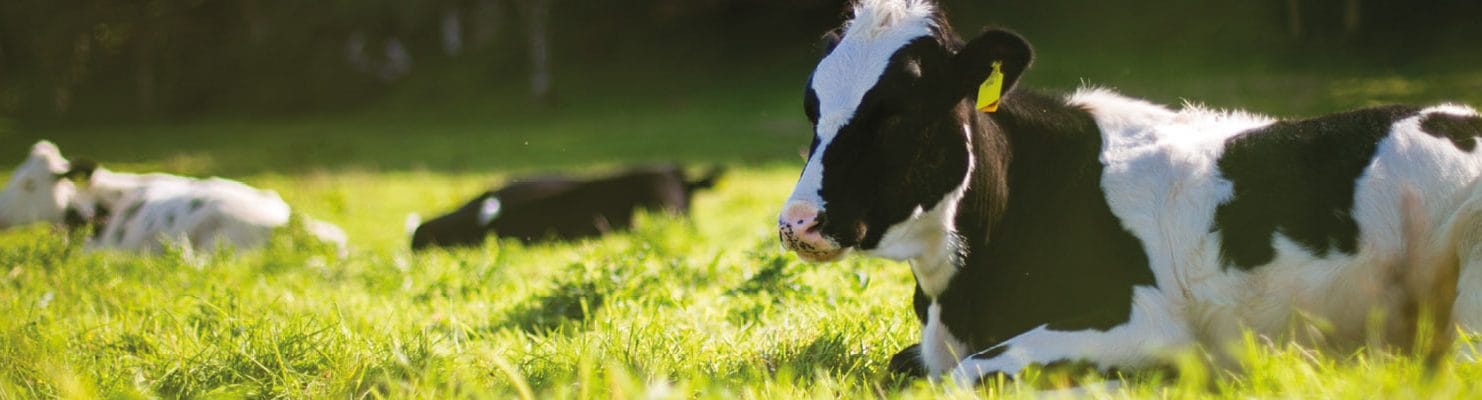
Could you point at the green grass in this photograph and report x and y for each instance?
(707, 307)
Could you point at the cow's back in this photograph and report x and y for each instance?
(570, 209)
(205, 213)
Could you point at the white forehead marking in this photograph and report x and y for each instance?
(878, 30)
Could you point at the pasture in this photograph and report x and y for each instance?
(707, 307)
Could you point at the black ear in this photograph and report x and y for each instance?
(82, 170)
(975, 61)
(829, 41)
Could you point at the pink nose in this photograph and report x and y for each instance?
(798, 227)
(799, 217)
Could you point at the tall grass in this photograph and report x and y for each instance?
(679, 308)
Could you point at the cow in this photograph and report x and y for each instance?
(146, 212)
(37, 190)
(1098, 229)
(563, 208)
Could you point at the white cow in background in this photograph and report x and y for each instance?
(146, 212)
(37, 190)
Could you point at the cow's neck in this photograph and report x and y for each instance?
(966, 213)
(1020, 135)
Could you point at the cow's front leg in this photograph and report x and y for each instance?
(1149, 339)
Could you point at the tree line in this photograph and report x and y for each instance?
(62, 58)
(167, 57)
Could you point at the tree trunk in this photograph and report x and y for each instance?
(1294, 18)
(451, 28)
(537, 29)
(484, 24)
(1352, 17)
(145, 82)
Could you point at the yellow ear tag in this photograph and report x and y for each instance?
(992, 89)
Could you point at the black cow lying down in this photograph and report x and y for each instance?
(562, 208)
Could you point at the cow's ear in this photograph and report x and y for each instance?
(994, 54)
(81, 171)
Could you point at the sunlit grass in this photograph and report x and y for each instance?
(705, 307)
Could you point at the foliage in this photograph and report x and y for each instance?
(163, 59)
(122, 59)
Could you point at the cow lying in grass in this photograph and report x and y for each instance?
(1098, 229)
(145, 212)
(562, 208)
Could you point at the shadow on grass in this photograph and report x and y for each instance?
(579, 295)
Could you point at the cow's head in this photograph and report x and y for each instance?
(38, 190)
(466, 226)
(892, 107)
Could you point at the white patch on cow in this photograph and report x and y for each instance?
(1162, 181)
(35, 192)
(1150, 337)
(929, 239)
(878, 30)
(488, 210)
(940, 351)
(152, 210)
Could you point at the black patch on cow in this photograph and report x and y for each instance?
(72, 219)
(1297, 178)
(170, 219)
(81, 169)
(196, 203)
(810, 103)
(130, 212)
(102, 216)
(920, 302)
(1056, 255)
(1462, 131)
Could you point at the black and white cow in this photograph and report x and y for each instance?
(563, 208)
(145, 212)
(1102, 229)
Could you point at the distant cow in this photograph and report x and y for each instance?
(562, 208)
(144, 212)
(38, 190)
(1099, 229)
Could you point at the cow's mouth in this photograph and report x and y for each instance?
(822, 255)
(813, 248)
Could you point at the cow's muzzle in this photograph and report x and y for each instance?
(799, 229)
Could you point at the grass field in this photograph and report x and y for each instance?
(707, 307)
